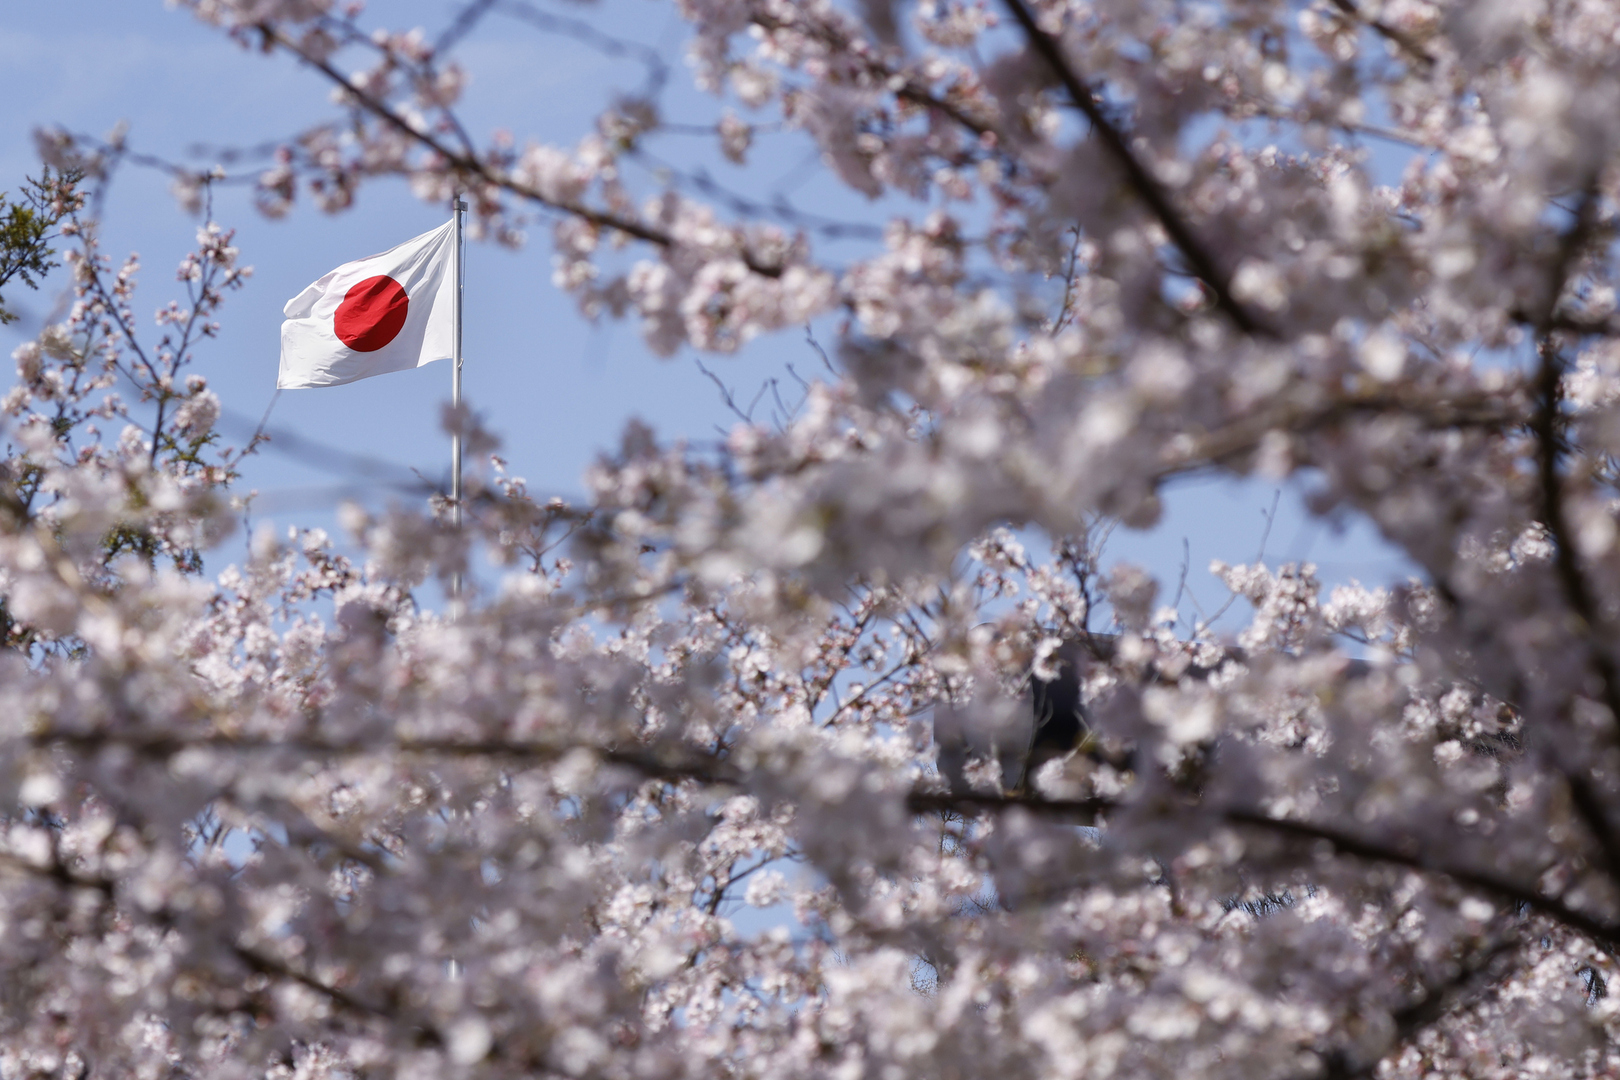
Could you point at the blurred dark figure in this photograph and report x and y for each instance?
(1048, 721)
(1060, 725)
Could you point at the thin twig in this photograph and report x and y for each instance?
(1271, 519)
(810, 336)
(725, 393)
(1186, 564)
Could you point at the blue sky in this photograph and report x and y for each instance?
(555, 388)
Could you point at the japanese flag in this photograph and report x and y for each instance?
(386, 313)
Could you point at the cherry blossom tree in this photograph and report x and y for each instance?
(283, 819)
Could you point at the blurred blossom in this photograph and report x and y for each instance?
(284, 818)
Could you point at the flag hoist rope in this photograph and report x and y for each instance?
(458, 209)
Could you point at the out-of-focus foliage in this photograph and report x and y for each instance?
(25, 232)
(282, 819)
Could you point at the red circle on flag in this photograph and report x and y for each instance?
(372, 313)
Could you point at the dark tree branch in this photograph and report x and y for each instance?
(1571, 244)
(1592, 626)
(1603, 326)
(699, 180)
(1423, 1012)
(1602, 933)
(461, 26)
(1595, 816)
(649, 58)
(253, 959)
(469, 165)
(1201, 260)
(649, 763)
(1489, 411)
(273, 968)
(60, 873)
(910, 89)
(1389, 33)
(967, 802)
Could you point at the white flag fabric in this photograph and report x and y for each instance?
(385, 313)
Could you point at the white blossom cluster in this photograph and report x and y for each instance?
(718, 773)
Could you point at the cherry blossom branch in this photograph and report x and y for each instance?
(701, 767)
(1605, 934)
(276, 969)
(1593, 627)
(469, 165)
(855, 699)
(649, 763)
(1147, 187)
(60, 873)
(700, 181)
(1488, 410)
(1423, 1013)
(882, 74)
(1391, 34)
(963, 802)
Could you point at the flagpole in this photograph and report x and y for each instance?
(458, 209)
